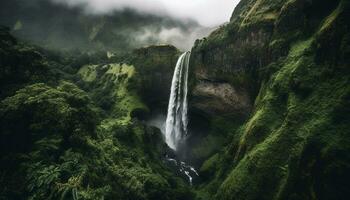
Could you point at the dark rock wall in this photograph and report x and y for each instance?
(155, 67)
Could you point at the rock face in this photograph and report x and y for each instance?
(155, 67)
(284, 65)
(231, 55)
(214, 98)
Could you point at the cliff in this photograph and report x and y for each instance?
(283, 66)
(155, 67)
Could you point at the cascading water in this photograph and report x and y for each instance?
(176, 122)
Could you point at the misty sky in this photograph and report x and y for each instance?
(206, 12)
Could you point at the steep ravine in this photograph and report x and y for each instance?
(279, 70)
(269, 117)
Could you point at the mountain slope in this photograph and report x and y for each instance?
(290, 58)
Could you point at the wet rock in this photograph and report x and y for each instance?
(220, 98)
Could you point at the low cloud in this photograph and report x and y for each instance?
(182, 39)
(206, 12)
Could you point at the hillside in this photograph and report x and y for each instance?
(286, 62)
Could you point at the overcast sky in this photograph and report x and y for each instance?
(206, 12)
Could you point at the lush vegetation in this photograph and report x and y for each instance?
(61, 141)
(72, 122)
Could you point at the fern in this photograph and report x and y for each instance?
(41, 179)
(72, 186)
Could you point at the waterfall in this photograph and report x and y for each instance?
(176, 122)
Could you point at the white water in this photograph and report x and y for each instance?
(184, 169)
(177, 121)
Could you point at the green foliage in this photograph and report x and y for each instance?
(61, 154)
(19, 64)
(38, 123)
(60, 142)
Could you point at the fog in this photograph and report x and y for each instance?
(205, 12)
(113, 25)
(182, 39)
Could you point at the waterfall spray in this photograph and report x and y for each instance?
(176, 122)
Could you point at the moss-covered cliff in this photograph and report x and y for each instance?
(154, 71)
(291, 59)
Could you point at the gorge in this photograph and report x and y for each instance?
(256, 110)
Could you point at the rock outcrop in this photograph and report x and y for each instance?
(155, 67)
(214, 98)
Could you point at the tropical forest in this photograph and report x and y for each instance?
(174, 100)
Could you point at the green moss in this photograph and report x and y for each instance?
(293, 140)
(329, 21)
(263, 130)
(272, 102)
(88, 72)
(272, 134)
(119, 69)
(261, 12)
(210, 165)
